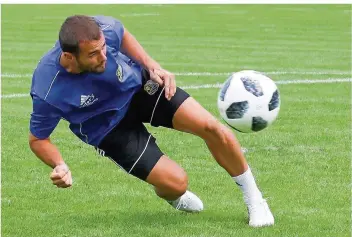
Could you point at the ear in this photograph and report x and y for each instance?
(69, 56)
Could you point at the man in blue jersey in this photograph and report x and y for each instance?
(100, 79)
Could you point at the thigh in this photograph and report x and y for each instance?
(191, 117)
(132, 147)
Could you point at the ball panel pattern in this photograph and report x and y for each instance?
(224, 89)
(275, 101)
(252, 86)
(237, 110)
(258, 123)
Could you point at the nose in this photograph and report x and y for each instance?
(103, 56)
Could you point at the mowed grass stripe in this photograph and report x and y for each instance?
(301, 162)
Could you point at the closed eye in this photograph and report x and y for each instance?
(96, 51)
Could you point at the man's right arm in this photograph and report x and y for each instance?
(44, 119)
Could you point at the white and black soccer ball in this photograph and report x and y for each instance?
(249, 101)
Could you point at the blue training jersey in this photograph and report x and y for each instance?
(93, 103)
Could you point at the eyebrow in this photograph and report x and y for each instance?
(90, 53)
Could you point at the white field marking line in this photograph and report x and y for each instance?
(285, 82)
(13, 75)
(40, 19)
(267, 73)
(138, 14)
(256, 50)
(229, 40)
(219, 85)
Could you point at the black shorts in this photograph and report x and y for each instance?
(129, 144)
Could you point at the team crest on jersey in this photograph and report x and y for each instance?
(151, 87)
(119, 73)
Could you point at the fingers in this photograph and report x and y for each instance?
(61, 176)
(170, 85)
(173, 85)
(64, 182)
(58, 175)
(167, 86)
(155, 77)
(166, 79)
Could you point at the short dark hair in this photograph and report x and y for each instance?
(76, 29)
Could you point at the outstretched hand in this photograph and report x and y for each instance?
(61, 176)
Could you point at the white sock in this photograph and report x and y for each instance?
(248, 186)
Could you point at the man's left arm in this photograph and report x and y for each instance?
(131, 47)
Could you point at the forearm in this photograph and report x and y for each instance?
(131, 47)
(46, 151)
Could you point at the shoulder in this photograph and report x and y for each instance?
(112, 28)
(46, 72)
(105, 21)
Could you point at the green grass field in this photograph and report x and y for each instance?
(302, 162)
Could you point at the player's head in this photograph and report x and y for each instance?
(83, 43)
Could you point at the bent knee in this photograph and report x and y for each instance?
(179, 184)
(176, 185)
(213, 129)
(211, 125)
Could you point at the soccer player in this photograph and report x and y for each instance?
(100, 79)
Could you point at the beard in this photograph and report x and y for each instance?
(89, 68)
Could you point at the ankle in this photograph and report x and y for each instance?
(248, 186)
(168, 195)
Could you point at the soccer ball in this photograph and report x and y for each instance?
(249, 101)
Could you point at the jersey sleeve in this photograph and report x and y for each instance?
(113, 30)
(44, 118)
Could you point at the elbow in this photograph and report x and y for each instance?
(32, 140)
